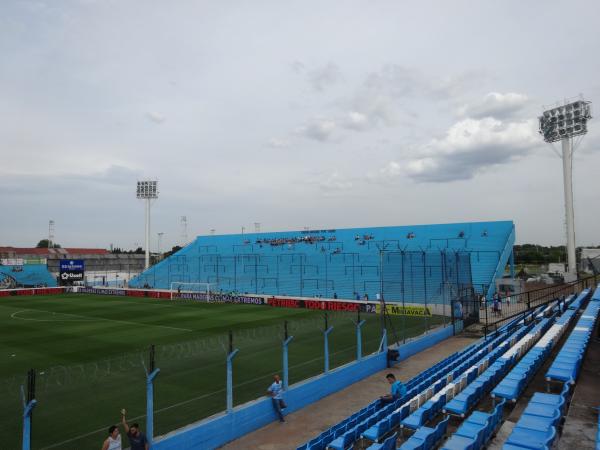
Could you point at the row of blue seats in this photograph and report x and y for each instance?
(511, 387)
(423, 400)
(388, 444)
(565, 367)
(501, 364)
(576, 305)
(537, 426)
(461, 390)
(473, 434)
(345, 431)
(425, 437)
(477, 430)
(431, 380)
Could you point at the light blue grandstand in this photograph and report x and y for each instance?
(413, 264)
(27, 275)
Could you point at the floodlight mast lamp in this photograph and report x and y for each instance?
(563, 123)
(147, 190)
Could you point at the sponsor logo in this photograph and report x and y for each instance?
(399, 310)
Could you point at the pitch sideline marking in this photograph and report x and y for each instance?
(15, 316)
(100, 318)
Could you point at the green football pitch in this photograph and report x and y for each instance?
(90, 353)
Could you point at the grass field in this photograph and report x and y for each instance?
(89, 354)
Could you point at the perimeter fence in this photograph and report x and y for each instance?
(495, 313)
(77, 403)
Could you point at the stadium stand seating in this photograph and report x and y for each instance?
(477, 430)
(345, 261)
(537, 426)
(503, 364)
(565, 367)
(425, 437)
(426, 393)
(344, 433)
(29, 275)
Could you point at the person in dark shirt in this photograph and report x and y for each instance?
(137, 439)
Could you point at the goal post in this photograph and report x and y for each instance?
(179, 289)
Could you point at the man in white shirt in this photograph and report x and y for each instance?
(275, 392)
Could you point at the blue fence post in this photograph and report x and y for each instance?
(383, 344)
(285, 362)
(359, 325)
(27, 410)
(230, 357)
(150, 404)
(326, 345)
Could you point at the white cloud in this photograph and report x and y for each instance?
(335, 182)
(155, 117)
(355, 120)
(318, 129)
(278, 143)
(324, 77)
(469, 147)
(495, 104)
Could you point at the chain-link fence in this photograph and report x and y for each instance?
(503, 308)
(77, 403)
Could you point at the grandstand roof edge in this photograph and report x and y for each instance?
(365, 227)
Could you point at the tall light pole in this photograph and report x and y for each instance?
(160, 235)
(563, 123)
(50, 233)
(147, 190)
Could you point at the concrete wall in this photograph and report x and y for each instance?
(220, 429)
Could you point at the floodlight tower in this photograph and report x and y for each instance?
(147, 190)
(563, 123)
(50, 233)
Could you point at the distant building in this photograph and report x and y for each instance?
(590, 260)
(101, 266)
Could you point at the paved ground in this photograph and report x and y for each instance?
(309, 422)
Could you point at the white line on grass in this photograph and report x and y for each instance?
(99, 318)
(190, 400)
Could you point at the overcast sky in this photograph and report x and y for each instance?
(291, 114)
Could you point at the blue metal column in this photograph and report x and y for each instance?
(150, 404)
(359, 339)
(27, 410)
(285, 362)
(230, 357)
(326, 344)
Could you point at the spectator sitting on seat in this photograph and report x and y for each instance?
(397, 389)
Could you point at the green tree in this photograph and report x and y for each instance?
(44, 244)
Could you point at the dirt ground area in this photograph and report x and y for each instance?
(309, 422)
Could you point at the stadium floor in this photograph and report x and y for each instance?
(307, 423)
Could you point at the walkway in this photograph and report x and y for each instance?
(307, 423)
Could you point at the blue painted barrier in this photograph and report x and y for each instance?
(222, 428)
